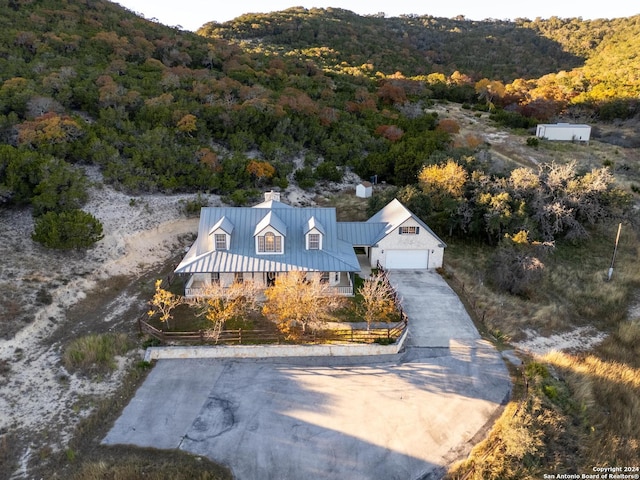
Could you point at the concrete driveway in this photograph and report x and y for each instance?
(402, 417)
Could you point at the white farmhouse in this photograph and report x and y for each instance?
(564, 131)
(271, 238)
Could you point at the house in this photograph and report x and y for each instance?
(395, 238)
(564, 131)
(364, 190)
(261, 242)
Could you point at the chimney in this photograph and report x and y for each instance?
(275, 196)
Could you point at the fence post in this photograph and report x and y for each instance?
(240, 336)
(140, 325)
(201, 335)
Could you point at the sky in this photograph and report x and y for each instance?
(192, 14)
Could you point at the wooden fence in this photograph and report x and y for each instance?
(243, 337)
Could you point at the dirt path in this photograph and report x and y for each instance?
(50, 297)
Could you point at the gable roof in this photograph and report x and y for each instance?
(314, 223)
(271, 220)
(223, 224)
(395, 214)
(336, 255)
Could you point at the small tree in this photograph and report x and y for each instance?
(378, 299)
(163, 302)
(516, 265)
(222, 303)
(296, 300)
(67, 230)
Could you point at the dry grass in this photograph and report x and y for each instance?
(574, 292)
(95, 353)
(569, 412)
(133, 463)
(349, 208)
(536, 433)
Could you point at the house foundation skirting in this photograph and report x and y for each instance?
(274, 351)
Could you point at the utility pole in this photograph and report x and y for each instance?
(615, 250)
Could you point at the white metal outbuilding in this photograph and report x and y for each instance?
(564, 132)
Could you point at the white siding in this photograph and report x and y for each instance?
(564, 132)
(422, 242)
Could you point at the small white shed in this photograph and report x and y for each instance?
(364, 190)
(564, 131)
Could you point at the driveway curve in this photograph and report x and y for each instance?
(404, 417)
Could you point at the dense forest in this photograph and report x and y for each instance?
(228, 110)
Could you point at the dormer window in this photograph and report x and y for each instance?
(269, 243)
(313, 233)
(314, 241)
(269, 234)
(220, 235)
(221, 241)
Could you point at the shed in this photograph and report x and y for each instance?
(364, 190)
(564, 131)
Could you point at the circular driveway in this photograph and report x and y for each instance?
(406, 416)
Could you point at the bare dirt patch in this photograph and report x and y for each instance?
(48, 298)
(509, 148)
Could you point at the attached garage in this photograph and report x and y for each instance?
(406, 259)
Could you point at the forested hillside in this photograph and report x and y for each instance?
(228, 111)
(545, 64)
(413, 45)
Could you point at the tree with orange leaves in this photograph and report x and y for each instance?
(260, 171)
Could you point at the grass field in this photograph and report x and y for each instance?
(570, 411)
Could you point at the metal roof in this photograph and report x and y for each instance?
(395, 214)
(361, 234)
(335, 256)
(223, 224)
(271, 204)
(271, 220)
(314, 223)
(339, 238)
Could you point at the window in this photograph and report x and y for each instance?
(221, 241)
(409, 230)
(238, 277)
(269, 243)
(324, 277)
(215, 278)
(314, 241)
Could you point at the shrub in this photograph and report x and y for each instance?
(512, 119)
(515, 267)
(533, 142)
(329, 171)
(67, 230)
(193, 207)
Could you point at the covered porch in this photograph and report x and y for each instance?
(196, 285)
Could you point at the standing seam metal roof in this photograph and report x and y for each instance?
(335, 256)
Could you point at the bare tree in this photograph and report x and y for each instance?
(296, 300)
(516, 265)
(222, 303)
(378, 299)
(163, 303)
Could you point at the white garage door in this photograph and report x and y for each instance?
(407, 259)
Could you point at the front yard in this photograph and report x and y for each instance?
(188, 324)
